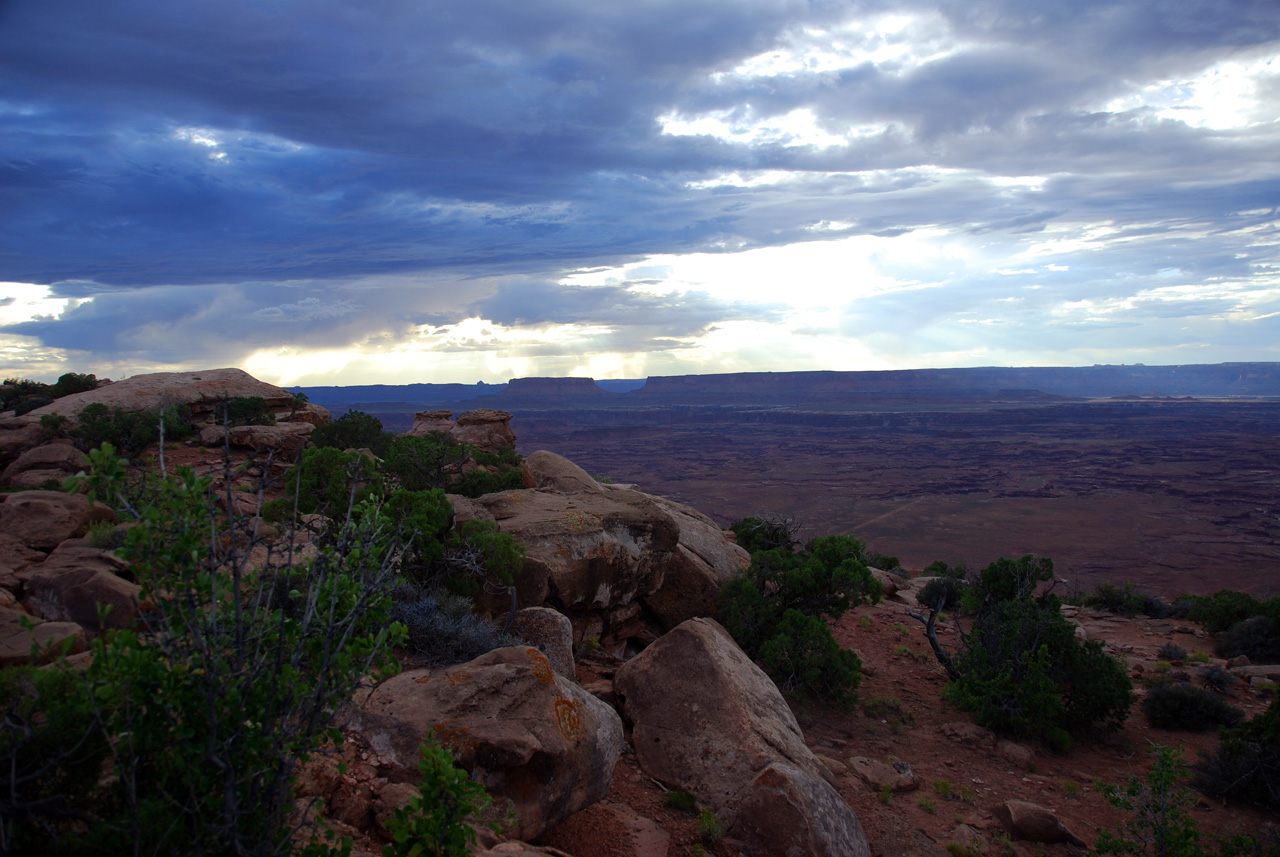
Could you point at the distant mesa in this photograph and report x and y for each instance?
(521, 387)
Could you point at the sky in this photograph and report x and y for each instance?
(401, 191)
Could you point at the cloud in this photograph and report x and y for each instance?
(211, 182)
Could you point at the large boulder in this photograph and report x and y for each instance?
(425, 422)
(18, 434)
(74, 581)
(1034, 823)
(704, 561)
(201, 391)
(486, 429)
(44, 519)
(285, 440)
(20, 633)
(584, 552)
(788, 811)
(707, 720)
(534, 739)
(51, 461)
(550, 631)
(546, 471)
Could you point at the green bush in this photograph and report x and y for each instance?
(423, 519)
(1257, 638)
(28, 405)
(426, 462)
(131, 432)
(1246, 763)
(1226, 607)
(72, 383)
(681, 800)
(1171, 652)
(1126, 601)
(245, 411)
(52, 755)
(776, 611)
(805, 659)
(475, 483)
(1180, 707)
(435, 823)
(329, 481)
(1161, 823)
(207, 705)
(760, 534)
(1022, 671)
(15, 391)
(354, 430)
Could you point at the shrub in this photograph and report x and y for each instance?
(434, 824)
(942, 593)
(354, 430)
(887, 707)
(478, 482)
(329, 481)
(1022, 671)
(1185, 708)
(1161, 822)
(1171, 652)
(1246, 763)
(775, 612)
(245, 411)
(710, 830)
(1126, 601)
(760, 534)
(927, 805)
(1257, 638)
(28, 405)
(1226, 607)
(681, 800)
(1217, 679)
(209, 703)
(426, 462)
(14, 391)
(52, 755)
(805, 659)
(423, 519)
(441, 627)
(131, 432)
(73, 382)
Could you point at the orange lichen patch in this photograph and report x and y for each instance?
(541, 666)
(568, 719)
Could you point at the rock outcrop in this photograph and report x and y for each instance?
(484, 428)
(26, 640)
(74, 580)
(533, 738)
(707, 720)
(44, 519)
(36, 466)
(622, 565)
(201, 391)
(1033, 823)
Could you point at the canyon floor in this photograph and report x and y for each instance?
(1174, 495)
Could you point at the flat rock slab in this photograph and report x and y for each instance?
(44, 519)
(201, 391)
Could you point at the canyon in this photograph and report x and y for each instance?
(1160, 476)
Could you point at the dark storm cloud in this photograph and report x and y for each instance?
(218, 175)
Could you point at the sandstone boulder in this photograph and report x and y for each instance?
(546, 471)
(18, 434)
(15, 556)
(1033, 823)
(285, 440)
(16, 641)
(425, 422)
(316, 415)
(44, 519)
(788, 811)
(704, 561)
(50, 461)
(585, 553)
(201, 391)
(74, 580)
(532, 738)
(552, 633)
(486, 429)
(705, 718)
(878, 775)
